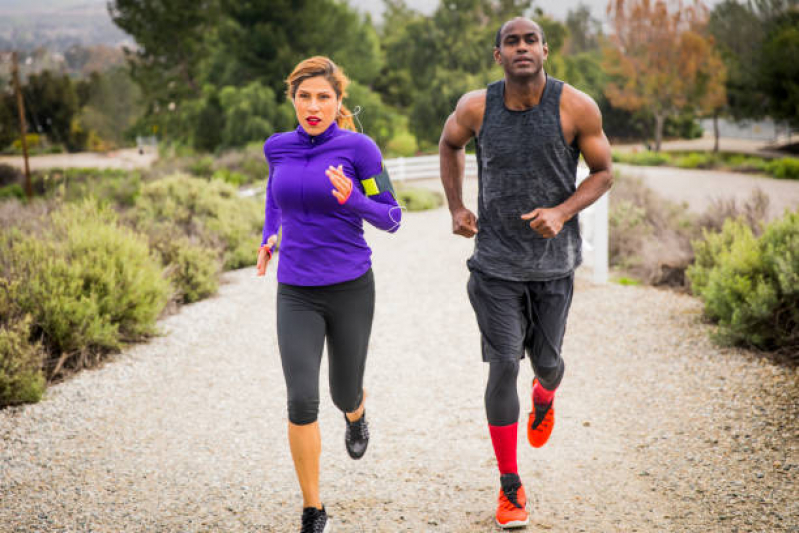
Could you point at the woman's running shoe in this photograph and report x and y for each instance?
(512, 503)
(357, 436)
(315, 521)
(540, 422)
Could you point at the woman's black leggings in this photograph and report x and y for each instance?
(306, 317)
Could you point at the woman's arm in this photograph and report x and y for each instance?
(379, 208)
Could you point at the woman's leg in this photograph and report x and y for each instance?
(306, 446)
(349, 325)
(301, 336)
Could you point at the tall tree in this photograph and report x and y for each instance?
(584, 30)
(780, 70)
(170, 35)
(658, 58)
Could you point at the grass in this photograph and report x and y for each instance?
(782, 168)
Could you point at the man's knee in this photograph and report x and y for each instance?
(550, 376)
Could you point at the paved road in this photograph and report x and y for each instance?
(700, 187)
(657, 429)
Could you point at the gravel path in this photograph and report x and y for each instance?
(700, 187)
(127, 158)
(657, 429)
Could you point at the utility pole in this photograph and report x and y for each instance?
(22, 127)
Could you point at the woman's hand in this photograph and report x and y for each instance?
(265, 254)
(342, 184)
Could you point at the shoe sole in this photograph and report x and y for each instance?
(514, 524)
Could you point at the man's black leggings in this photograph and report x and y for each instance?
(306, 317)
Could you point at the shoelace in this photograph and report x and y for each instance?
(510, 494)
(358, 430)
(312, 520)
(540, 415)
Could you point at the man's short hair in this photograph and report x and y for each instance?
(498, 38)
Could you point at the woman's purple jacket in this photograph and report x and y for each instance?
(322, 240)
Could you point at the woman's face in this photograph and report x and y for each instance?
(316, 104)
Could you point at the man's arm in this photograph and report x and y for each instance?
(458, 130)
(596, 151)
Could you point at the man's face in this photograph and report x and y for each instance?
(521, 52)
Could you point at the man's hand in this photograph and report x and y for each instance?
(546, 222)
(464, 222)
(265, 254)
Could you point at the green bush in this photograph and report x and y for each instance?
(192, 269)
(9, 175)
(418, 198)
(202, 166)
(211, 212)
(21, 377)
(12, 191)
(743, 163)
(89, 284)
(648, 159)
(750, 285)
(115, 186)
(785, 168)
(237, 179)
(695, 160)
(403, 144)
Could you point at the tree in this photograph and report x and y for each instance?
(584, 31)
(780, 69)
(170, 35)
(658, 59)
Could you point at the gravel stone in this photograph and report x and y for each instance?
(657, 429)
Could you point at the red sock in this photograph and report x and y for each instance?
(541, 395)
(504, 440)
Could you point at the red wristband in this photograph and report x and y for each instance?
(267, 248)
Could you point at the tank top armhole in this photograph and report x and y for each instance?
(559, 94)
(491, 91)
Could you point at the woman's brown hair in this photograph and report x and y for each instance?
(322, 66)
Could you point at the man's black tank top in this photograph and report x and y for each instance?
(524, 162)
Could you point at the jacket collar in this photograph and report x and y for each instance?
(323, 137)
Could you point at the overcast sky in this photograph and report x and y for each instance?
(558, 9)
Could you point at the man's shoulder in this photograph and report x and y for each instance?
(576, 101)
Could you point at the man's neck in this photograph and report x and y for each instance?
(524, 93)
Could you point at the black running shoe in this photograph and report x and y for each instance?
(314, 520)
(357, 436)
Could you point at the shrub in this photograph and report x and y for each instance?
(89, 284)
(742, 163)
(403, 144)
(9, 175)
(12, 191)
(695, 160)
(785, 168)
(192, 269)
(418, 198)
(750, 285)
(203, 166)
(648, 159)
(237, 179)
(21, 377)
(650, 237)
(210, 212)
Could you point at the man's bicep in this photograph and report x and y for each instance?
(592, 141)
(455, 134)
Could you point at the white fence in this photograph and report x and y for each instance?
(593, 220)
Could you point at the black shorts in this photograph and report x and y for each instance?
(515, 317)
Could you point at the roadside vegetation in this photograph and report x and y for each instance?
(782, 168)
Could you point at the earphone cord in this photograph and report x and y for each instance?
(354, 115)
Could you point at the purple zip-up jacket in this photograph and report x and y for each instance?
(322, 240)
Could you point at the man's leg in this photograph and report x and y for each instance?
(499, 306)
(549, 303)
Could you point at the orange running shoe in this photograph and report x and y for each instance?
(540, 423)
(512, 503)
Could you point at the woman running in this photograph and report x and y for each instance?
(324, 181)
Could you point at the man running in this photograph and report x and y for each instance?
(530, 130)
